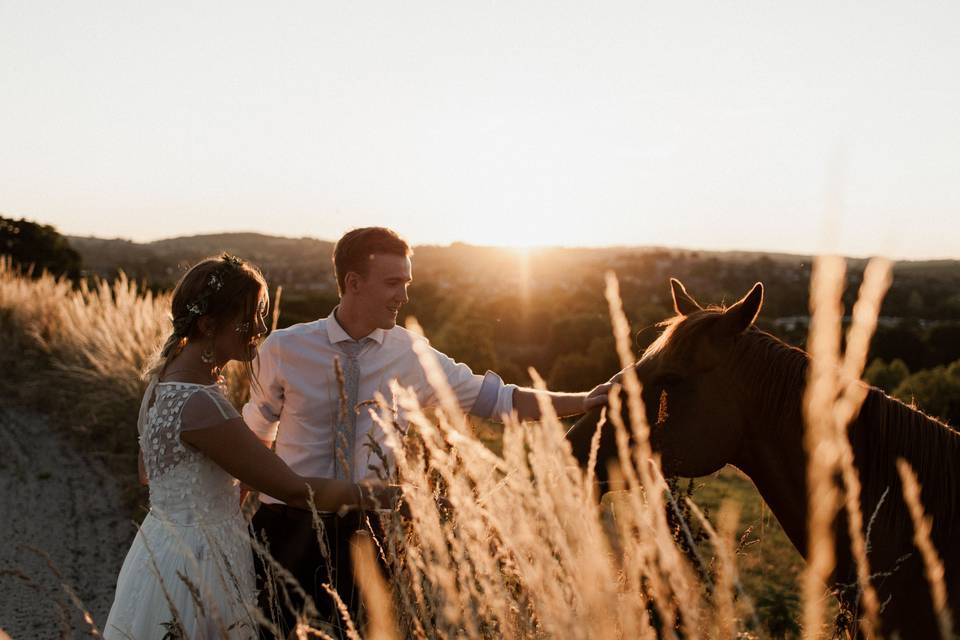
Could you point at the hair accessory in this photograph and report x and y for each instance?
(231, 260)
(200, 305)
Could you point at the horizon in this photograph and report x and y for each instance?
(526, 249)
(777, 129)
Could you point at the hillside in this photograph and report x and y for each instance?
(507, 310)
(301, 260)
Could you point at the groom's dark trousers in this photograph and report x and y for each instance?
(292, 542)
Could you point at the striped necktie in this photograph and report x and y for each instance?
(347, 418)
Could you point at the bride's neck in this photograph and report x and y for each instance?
(188, 366)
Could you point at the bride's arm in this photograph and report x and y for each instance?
(240, 453)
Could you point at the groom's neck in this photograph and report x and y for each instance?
(352, 320)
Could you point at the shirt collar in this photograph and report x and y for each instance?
(336, 333)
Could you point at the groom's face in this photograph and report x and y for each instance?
(382, 292)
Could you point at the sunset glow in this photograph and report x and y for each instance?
(684, 124)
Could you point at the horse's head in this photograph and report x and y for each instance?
(695, 423)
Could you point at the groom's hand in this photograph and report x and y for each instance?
(599, 396)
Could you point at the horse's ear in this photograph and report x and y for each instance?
(683, 303)
(740, 316)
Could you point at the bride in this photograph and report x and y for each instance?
(189, 572)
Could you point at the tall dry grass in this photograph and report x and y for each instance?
(519, 547)
(832, 399)
(525, 550)
(77, 351)
(922, 530)
(86, 334)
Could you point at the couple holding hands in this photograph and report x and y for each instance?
(191, 571)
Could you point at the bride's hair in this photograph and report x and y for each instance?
(220, 288)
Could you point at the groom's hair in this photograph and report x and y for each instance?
(356, 248)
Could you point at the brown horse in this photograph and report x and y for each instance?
(720, 391)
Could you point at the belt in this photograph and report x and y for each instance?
(286, 509)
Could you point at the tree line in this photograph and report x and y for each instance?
(507, 311)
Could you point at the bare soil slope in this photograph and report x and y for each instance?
(64, 503)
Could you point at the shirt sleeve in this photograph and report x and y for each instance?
(262, 410)
(495, 399)
(484, 396)
(204, 409)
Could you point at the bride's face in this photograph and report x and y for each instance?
(238, 339)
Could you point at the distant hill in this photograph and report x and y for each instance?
(161, 262)
(922, 289)
(257, 247)
(506, 310)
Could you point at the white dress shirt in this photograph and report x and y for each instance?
(297, 400)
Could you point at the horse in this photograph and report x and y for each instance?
(718, 391)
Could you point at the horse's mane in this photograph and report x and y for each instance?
(773, 375)
(887, 429)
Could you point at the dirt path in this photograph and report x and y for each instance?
(63, 502)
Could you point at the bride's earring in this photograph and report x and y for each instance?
(207, 355)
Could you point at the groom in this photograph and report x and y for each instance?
(296, 403)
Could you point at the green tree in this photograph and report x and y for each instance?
(934, 391)
(945, 342)
(903, 341)
(915, 303)
(886, 376)
(469, 341)
(574, 333)
(38, 247)
(582, 370)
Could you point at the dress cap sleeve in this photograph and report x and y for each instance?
(206, 408)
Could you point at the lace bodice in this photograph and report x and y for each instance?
(186, 487)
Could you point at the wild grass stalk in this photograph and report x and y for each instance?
(91, 629)
(833, 397)
(519, 547)
(725, 588)
(876, 280)
(820, 441)
(524, 552)
(922, 531)
(76, 351)
(376, 594)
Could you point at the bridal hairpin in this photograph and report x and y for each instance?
(231, 260)
(199, 305)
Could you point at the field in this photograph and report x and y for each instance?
(526, 552)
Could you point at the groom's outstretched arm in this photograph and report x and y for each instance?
(564, 404)
(487, 396)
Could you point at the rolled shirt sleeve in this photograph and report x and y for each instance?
(484, 396)
(495, 399)
(262, 411)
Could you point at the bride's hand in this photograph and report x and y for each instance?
(380, 496)
(390, 496)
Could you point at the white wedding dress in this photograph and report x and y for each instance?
(189, 572)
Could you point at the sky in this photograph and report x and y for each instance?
(803, 127)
